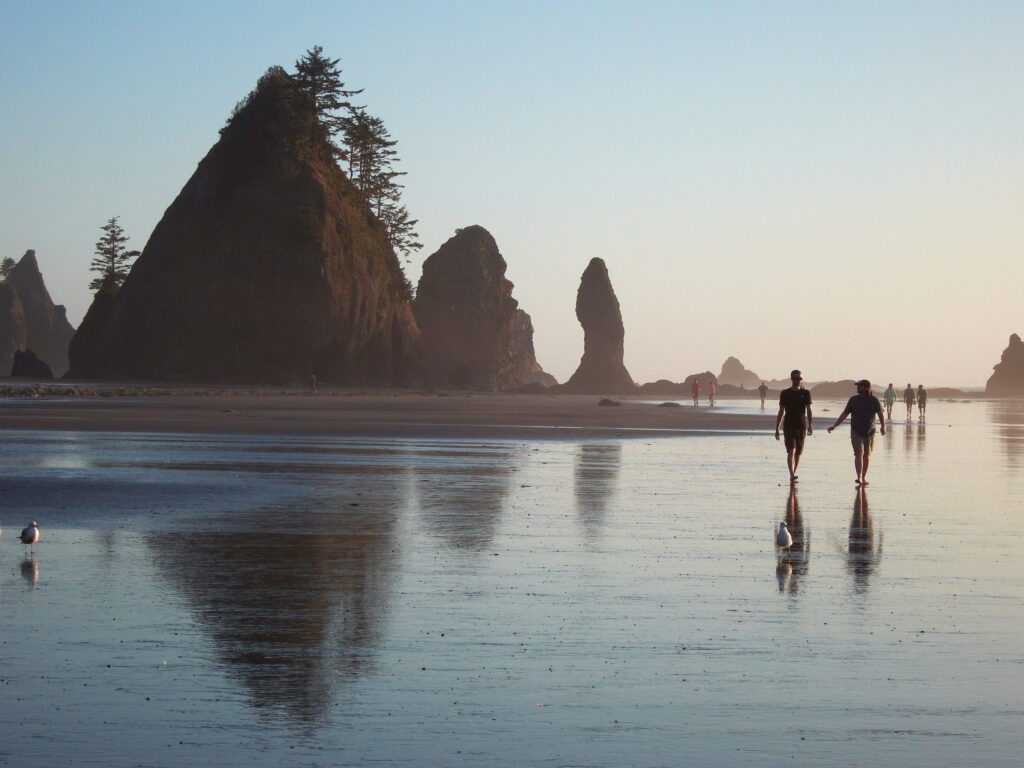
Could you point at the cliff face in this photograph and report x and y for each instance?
(1007, 377)
(266, 268)
(601, 369)
(467, 317)
(30, 320)
(527, 369)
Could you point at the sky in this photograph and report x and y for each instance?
(836, 187)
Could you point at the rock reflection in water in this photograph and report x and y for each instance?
(863, 555)
(293, 599)
(1008, 416)
(462, 492)
(596, 479)
(795, 561)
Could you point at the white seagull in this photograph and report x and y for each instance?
(783, 539)
(30, 535)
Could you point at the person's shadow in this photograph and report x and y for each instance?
(795, 560)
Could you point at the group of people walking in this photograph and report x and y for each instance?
(795, 420)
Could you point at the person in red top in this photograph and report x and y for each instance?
(711, 392)
(795, 420)
(695, 388)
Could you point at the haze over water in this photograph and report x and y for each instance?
(251, 601)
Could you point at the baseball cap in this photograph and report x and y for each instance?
(795, 375)
(865, 382)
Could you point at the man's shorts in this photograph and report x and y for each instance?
(794, 436)
(862, 445)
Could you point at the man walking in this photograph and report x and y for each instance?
(795, 420)
(908, 398)
(862, 408)
(890, 399)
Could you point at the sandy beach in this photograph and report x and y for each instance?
(391, 414)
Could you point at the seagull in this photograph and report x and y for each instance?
(30, 535)
(783, 539)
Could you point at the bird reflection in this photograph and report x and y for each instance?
(596, 478)
(794, 561)
(464, 502)
(862, 555)
(293, 599)
(30, 571)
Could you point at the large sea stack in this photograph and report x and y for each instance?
(601, 369)
(735, 374)
(30, 320)
(468, 318)
(1007, 379)
(268, 267)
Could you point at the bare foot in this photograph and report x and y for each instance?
(864, 482)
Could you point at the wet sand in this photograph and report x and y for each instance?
(392, 414)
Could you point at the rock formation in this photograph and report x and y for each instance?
(1007, 379)
(30, 319)
(27, 365)
(601, 369)
(267, 267)
(472, 334)
(735, 374)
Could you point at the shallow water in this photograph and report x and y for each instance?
(240, 601)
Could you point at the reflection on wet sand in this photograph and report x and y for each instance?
(293, 599)
(1008, 416)
(795, 560)
(463, 502)
(596, 478)
(863, 555)
(30, 571)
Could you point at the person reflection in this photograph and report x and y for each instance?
(462, 494)
(595, 480)
(862, 555)
(294, 599)
(795, 560)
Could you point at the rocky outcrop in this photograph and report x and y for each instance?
(734, 374)
(27, 366)
(268, 267)
(30, 319)
(473, 336)
(601, 369)
(1007, 379)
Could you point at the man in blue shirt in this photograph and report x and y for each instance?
(862, 408)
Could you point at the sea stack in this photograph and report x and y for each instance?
(30, 320)
(268, 267)
(735, 374)
(468, 318)
(601, 369)
(1007, 379)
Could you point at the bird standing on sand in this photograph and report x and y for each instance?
(783, 539)
(30, 535)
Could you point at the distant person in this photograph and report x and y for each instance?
(763, 390)
(795, 420)
(922, 401)
(711, 392)
(908, 398)
(695, 388)
(862, 408)
(890, 399)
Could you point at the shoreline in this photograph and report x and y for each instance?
(344, 413)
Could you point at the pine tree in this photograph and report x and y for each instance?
(112, 260)
(6, 266)
(320, 77)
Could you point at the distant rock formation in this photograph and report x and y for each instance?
(268, 267)
(473, 336)
(1007, 379)
(704, 378)
(27, 366)
(526, 366)
(733, 373)
(601, 369)
(30, 319)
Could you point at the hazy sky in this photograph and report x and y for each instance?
(832, 186)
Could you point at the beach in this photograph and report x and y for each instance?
(492, 580)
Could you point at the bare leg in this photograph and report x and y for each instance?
(858, 465)
(864, 468)
(793, 461)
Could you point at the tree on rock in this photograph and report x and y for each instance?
(112, 260)
(320, 77)
(6, 266)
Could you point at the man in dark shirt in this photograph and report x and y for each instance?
(862, 408)
(795, 420)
